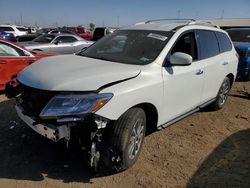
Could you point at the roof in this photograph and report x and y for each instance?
(167, 24)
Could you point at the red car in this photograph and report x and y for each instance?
(13, 59)
(81, 31)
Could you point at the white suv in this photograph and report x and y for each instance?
(139, 78)
(15, 30)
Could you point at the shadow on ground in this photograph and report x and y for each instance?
(25, 155)
(227, 166)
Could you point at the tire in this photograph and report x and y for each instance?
(128, 136)
(222, 95)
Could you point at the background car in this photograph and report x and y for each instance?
(15, 30)
(7, 36)
(81, 31)
(241, 40)
(31, 36)
(58, 43)
(13, 59)
(100, 32)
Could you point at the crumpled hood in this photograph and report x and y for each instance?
(75, 73)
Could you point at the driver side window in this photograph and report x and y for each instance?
(186, 44)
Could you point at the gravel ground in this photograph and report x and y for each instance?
(206, 149)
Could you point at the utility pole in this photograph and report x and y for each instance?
(118, 20)
(21, 18)
(179, 14)
(222, 14)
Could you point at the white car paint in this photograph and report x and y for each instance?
(173, 91)
(74, 73)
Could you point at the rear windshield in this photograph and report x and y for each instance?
(47, 38)
(239, 35)
(137, 47)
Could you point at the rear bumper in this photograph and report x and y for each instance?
(47, 130)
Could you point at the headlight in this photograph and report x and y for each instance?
(71, 105)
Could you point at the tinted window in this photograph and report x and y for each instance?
(137, 47)
(8, 50)
(208, 44)
(44, 38)
(6, 29)
(22, 29)
(239, 35)
(65, 39)
(54, 32)
(224, 42)
(186, 44)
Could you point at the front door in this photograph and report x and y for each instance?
(183, 85)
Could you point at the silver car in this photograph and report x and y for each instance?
(58, 43)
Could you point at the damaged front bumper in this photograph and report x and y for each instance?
(47, 130)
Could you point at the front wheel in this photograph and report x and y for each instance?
(222, 95)
(128, 136)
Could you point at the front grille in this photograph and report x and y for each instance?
(33, 100)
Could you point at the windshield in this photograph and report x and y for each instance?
(137, 47)
(239, 35)
(44, 38)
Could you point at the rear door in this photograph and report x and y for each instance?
(215, 64)
(12, 61)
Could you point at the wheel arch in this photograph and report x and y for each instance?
(231, 78)
(37, 50)
(151, 116)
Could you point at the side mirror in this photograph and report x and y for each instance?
(179, 58)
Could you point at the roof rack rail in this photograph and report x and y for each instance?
(172, 20)
(204, 23)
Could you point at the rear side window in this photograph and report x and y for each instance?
(6, 29)
(65, 39)
(224, 42)
(208, 43)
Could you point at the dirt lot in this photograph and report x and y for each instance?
(207, 149)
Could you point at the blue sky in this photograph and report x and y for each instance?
(114, 13)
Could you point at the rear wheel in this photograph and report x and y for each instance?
(128, 136)
(222, 95)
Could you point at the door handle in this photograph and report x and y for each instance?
(225, 63)
(3, 62)
(199, 72)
